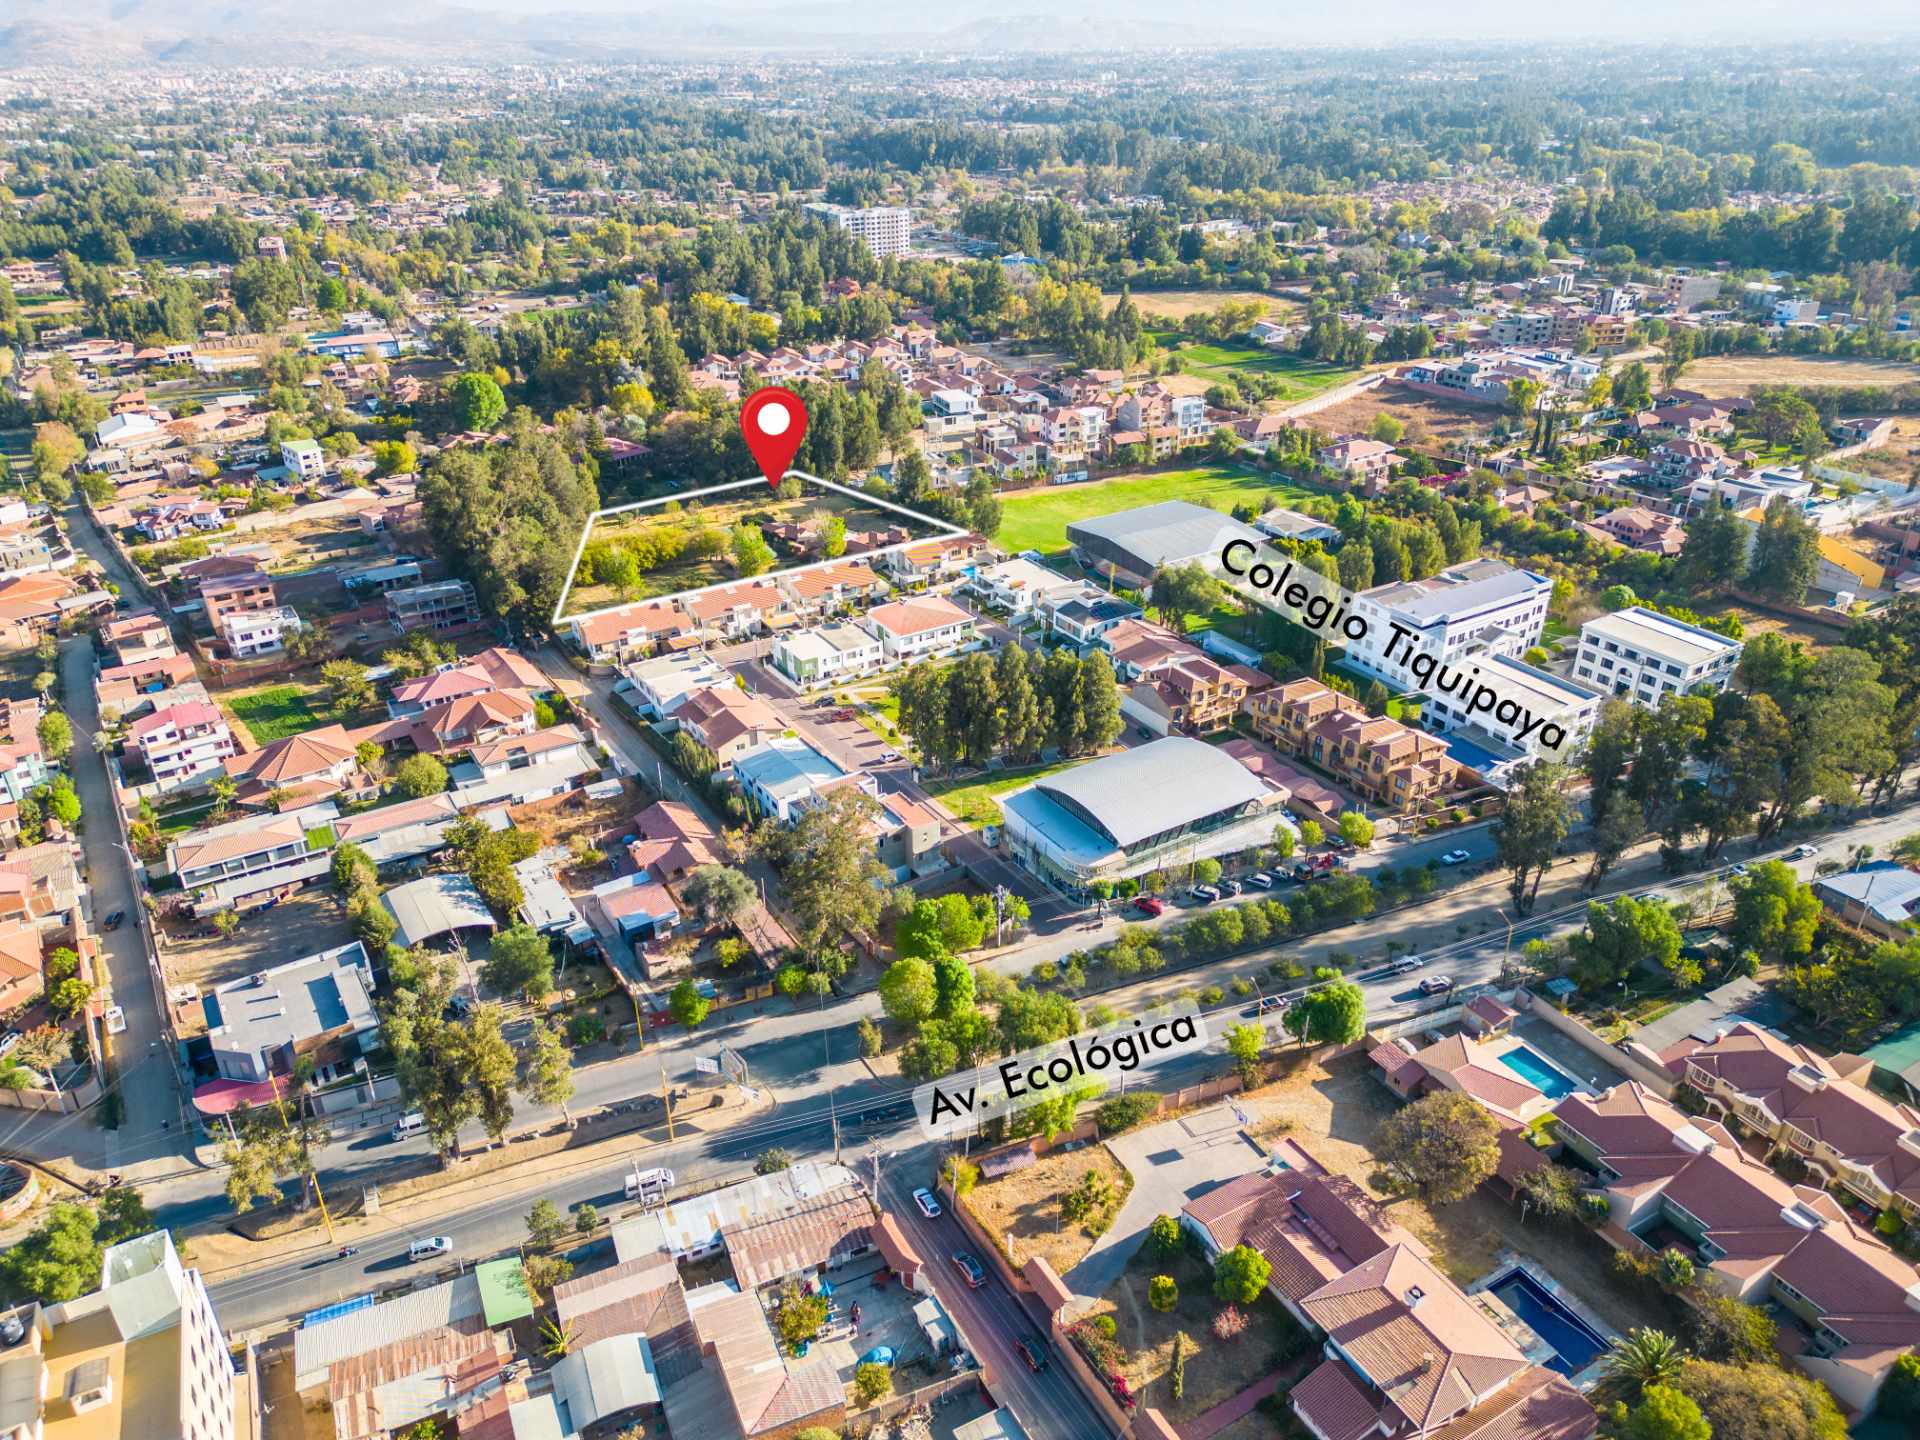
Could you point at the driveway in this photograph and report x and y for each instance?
(1171, 1163)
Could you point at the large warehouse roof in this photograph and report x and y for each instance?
(1170, 533)
(1154, 788)
(434, 905)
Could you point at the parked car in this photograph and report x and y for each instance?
(1205, 894)
(889, 757)
(879, 1355)
(116, 1020)
(1738, 870)
(1435, 984)
(8, 1041)
(929, 1206)
(971, 1270)
(1230, 887)
(1455, 857)
(1149, 905)
(1033, 1352)
(1261, 880)
(114, 920)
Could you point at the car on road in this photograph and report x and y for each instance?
(1737, 870)
(114, 920)
(116, 1020)
(1204, 894)
(844, 713)
(929, 1206)
(889, 757)
(971, 1270)
(429, 1246)
(1805, 852)
(1435, 984)
(1260, 880)
(1148, 905)
(1263, 1005)
(1230, 887)
(1406, 964)
(883, 1116)
(1033, 1352)
(1455, 857)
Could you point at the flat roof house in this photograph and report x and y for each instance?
(260, 1024)
(230, 862)
(1643, 655)
(785, 776)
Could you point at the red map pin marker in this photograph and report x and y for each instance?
(774, 422)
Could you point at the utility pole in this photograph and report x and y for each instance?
(873, 1154)
(666, 1098)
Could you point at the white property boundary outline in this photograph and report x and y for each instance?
(940, 527)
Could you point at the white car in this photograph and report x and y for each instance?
(929, 1206)
(1805, 852)
(116, 1020)
(1434, 984)
(1260, 880)
(1455, 857)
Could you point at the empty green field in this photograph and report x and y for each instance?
(1223, 360)
(1038, 520)
(275, 713)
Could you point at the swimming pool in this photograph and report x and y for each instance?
(1575, 1342)
(1548, 1079)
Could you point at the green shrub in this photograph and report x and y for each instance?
(1123, 1112)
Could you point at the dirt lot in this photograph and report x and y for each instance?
(1737, 374)
(1334, 1113)
(303, 924)
(1429, 421)
(1027, 1204)
(1214, 1369)
(1898, 459)
(1178, 304)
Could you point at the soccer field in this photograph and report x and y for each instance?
(1038, 520)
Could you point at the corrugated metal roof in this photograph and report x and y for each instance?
(455, 1303)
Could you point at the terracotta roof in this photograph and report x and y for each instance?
(652, 618)
(917, 616)
(1310, 1228)
(1335, 1403)
(540, 742)
(1538, 1405)
(295, 758)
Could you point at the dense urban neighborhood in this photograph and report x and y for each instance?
(1405, 559)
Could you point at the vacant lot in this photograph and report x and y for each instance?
(1225, 360)
(1026, 1205)
(1214, 1369)
(1737, 374)
(975, 802)
(683, 548)
(1898, 459)
(1038, 519)
(1178, 304)
(302, 924)
(1430, 422)
(277, 711)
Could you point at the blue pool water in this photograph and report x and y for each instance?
(1574, 1341)
(1549, 1080)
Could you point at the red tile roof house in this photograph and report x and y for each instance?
(916, 629)
(725, 720)
(1849, 1306)
(629, 633)
(1819, 1108)
(739, 610)
(1408, 1355)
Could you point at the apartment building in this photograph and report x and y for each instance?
(920, 628)
(1543, 699)
(827, 653)
(440, 605)
(886, 230)
(23, 761)
(236, 593)
(141, 1354)
(181, 743)
(787, 775)
(657, 687)
(1385, 761)
(1528, 327)
(1019, 586)
(1643, 655)
(250, 633)
(1469, 610)
(950, 414)
(319, 1006)
(304, 458)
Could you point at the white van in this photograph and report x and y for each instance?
(411, 1123)
(649, 1184)
(430, 1246)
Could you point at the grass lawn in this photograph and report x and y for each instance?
(973, 802)
(1222, 360)
(275, 713)
(1038, 520)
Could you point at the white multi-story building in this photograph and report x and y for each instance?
(827, 653)
(182, 742)
(258, 632)
(950, 414)
(1020, 586)
(1643, 655)
(885, 229)
(915, 629)
(1477, 608)
(1545, 699)
(1528, 327)
(304, 458)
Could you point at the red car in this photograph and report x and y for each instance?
(1147, 905)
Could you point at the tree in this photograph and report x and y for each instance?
(800, 1315)
(1441, 1146)
(1900, 1395)
(1714, 555)
(478, 403)
(1356, 829)
(1785, 558)
(347, 683)
(57, 1261)
(1333, 1014)
(751, 553)
(121, 1215)
(1644, 1358)
(546, 1067)
(1724, 1329)
(1620, 937)
(1666, 1414)
(520, 962)
(1537, 818)
(56, 450)
(1284, 841)
(353, 869)
(1633, 388)
(907, 991)
(1163, 1237)
(546, 1223)
(1183, 591)
(833, 879)
(63, 801)
(1240, 1274)
(772, 1162)
(393, 457)
(872, 1380)
(1311, 833)
(56, 735)
(1550, 1190)
(1162, 1293)
(1774, 914)
(420, 776)
(719, 894)
(1761, 1402)
(687, 1005)
(1244, 1044)
(69, 997)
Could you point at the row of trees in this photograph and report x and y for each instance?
(1013, 704)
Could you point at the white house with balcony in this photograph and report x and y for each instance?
(919, 628)
(224, 865)
(258, 632)
(182, 742)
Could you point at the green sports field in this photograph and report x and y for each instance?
(1038, 520)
